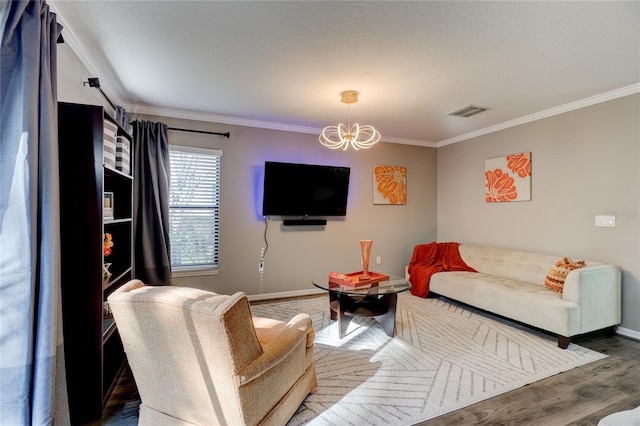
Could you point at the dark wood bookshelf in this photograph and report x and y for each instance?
(93, 350)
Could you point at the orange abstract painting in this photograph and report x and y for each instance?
(508, 178)
(389, 185)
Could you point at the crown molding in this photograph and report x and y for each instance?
(222, 119)
(391, 139)
(237, 121)
(572, 106)
(106, 79)
(115, 90)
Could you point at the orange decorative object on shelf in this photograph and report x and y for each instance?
(107, 243)
(353, 279)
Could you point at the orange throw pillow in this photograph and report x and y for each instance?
(558, 273)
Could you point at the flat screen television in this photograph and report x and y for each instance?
(304, 190)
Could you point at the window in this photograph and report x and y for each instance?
(194, 210)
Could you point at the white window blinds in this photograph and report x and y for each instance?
(194, 207)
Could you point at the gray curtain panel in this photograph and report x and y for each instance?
(151, 263)
(122, 117)
(32, 375)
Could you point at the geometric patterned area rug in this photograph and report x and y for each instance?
(444, 356)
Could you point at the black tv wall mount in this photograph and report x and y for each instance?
(304, 222)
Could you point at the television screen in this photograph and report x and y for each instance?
(304, 190)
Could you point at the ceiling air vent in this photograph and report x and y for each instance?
(468, 111)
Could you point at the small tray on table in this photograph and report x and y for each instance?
(353, 279)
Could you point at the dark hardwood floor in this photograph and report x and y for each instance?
(581, 396)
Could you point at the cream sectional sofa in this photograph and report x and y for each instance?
(510, 283)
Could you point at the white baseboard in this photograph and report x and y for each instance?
(284, 295)
(627, 332)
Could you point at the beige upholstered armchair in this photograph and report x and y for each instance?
(200, 358)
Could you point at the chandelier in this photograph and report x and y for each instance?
(342, 136)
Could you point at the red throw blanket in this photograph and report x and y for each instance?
(431, 258)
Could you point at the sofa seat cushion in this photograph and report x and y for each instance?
(531, 304)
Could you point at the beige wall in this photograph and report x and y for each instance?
(296, 254)
(584, 163)
(71, 77)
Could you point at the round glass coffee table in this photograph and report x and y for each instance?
(377, 300)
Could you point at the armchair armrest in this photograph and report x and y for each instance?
(597, 290)
(278, 349)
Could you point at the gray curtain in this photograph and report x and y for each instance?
(151, 262)
(32, 379)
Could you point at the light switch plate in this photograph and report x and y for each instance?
(606, 221)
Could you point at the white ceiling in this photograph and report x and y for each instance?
(283, 64)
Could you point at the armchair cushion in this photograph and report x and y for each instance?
(200, 358)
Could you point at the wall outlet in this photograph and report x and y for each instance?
(606, 221)
(378, 260)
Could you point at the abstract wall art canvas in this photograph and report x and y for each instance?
(389, 185)
(508, 178)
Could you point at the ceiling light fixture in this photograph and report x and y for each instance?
(342, 136)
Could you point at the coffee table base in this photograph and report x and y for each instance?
(381, 307)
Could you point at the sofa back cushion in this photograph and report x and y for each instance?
(516, 265)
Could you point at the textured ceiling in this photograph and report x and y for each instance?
(283, 64)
